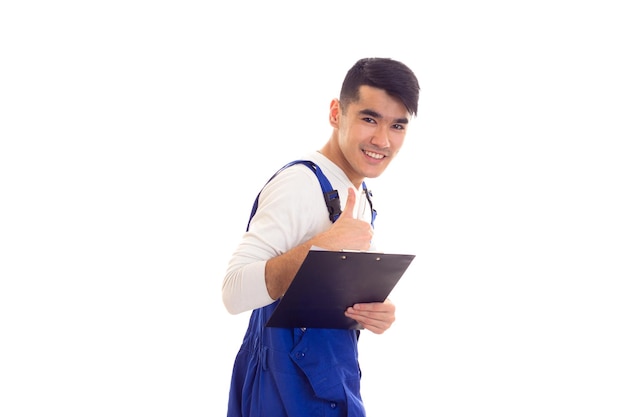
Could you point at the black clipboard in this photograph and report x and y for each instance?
(328, 282)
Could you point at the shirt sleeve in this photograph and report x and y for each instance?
(291, 211)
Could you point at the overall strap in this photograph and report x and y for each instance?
(368, 195)
(331, 196)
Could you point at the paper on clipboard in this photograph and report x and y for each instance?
(328, 282)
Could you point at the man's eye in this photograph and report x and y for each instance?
(369, 120)
(398, 127)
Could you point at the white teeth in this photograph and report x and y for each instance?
(374, 155)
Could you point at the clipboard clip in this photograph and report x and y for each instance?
(348, 251)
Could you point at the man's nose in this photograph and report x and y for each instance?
(381, 137)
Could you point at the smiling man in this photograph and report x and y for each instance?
(309, 372)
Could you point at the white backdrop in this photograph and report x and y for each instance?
(135, 136)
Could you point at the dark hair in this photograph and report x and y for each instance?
(387, 74)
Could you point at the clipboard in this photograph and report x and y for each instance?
(328, 282)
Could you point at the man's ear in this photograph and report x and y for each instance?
(334, 113)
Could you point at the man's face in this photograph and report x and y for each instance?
(371, 131)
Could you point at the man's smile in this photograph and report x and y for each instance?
(374, 155)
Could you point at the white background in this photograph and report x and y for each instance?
(135, 136)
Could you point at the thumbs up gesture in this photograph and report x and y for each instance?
(347, 232)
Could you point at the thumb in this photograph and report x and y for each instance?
(348, 210)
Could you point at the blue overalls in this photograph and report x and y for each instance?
(281, 372)
(294, 372)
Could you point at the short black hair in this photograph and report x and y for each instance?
(390, 75)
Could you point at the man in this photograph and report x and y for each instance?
(315, 372)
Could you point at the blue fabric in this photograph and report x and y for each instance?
(295, 372)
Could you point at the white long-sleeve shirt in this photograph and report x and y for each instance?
(291, 211)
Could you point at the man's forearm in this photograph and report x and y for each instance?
(280, 271)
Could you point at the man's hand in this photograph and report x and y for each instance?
(375, 317)
(347, 232)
